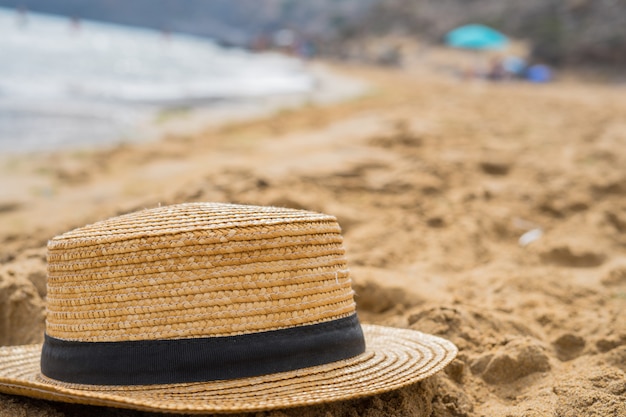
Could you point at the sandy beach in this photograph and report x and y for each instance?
(492, 214)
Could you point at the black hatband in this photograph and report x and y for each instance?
(172, 361)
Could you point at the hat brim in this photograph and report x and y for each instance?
(394, 358)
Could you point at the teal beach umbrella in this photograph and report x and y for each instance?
(477, 37)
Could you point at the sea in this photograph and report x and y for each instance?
(74, 84)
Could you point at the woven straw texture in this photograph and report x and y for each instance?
(212, 270)
(394, 358)
(196, 270)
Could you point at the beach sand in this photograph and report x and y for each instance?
(434, 181)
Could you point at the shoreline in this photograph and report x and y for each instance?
(111, 123)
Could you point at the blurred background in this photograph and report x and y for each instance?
(560, 31)
(106, 67)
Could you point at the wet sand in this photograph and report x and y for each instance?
(434, 181)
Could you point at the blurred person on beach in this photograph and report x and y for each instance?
(497, 71)
(514, 66)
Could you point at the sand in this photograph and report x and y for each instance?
(490, 214)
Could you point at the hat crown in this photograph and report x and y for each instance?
(196, 270)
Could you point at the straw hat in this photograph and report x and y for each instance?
(207, 307)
